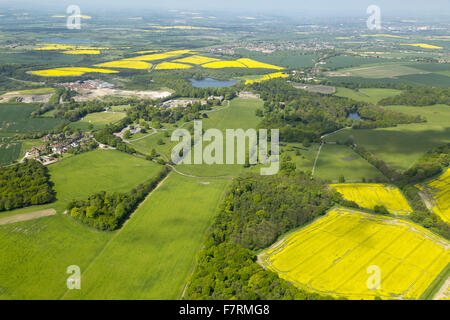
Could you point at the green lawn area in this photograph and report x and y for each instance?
(98, 119)
(401, 146)
(35, 255)
(339, 160)
(99, 170)
(378, 71)
(240, 114)
(369, 95)
(9, 150)
(154, 253)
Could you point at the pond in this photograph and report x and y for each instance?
(354, 116)
(212, 83)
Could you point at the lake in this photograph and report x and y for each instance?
(354, 116)
(212, 83)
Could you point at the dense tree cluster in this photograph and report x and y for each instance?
(431, 164)
(106, 136)
(301, 115)
(419, 96)
(107, 211)
(24, 184)
(254, 213)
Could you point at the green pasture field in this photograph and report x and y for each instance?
(288, 59)
(339, 160)
(98, 170)
(401, 146)
(350, 61)
(369, 95)
(240, 114)
(15, 118)
(428, 79)
(98, 119)
(35, 255)
(9, 150)
(378, 71)
(154, 253)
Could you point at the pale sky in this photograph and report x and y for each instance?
(292, 7)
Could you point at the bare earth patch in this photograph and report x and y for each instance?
(27, 216)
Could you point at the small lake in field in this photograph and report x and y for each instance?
(212, 83)
(354, 116)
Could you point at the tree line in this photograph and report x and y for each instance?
(25, 184)
(109, 210)
(255, 212)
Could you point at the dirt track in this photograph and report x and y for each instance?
(27, 216)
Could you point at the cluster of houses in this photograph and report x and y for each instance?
(56, 144)
(183, 103)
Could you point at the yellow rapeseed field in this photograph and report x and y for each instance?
(368, 195)
(267, 77)
(68, 72)
(258, 65)
(160, 56)
(196, 60)
(384, 35)
(57, 46)
(421, 45)
(127, 64)
(345, 252)
(439, 189)
(172, 66)
(224, 64)
(82, 52)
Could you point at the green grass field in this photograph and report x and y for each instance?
(99, 170)
(388, 70)
(154, 253)
(401, 146)
(98, 120)
(9, 150)
(369, 95)
(15, 118)
(35, 255)
(240, 114)
(338, 160)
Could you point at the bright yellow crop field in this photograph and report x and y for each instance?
(368, 195)
(439, 189)
(82, 52)
(224, 64)
(267, 77)
(422, 45)
(127, 64)
(196, 60)
(258, 65)
(68, 72)
(334, 255)
(172, 66)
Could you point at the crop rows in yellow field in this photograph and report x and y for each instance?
(421, 45)
(267, 77)
(368, 195)
(224, 64)
(172, 66)
(68, 72)
(198, 60)
(82, 52)
(334, 254)
(127, 64)
(439, 189)
(249, 63)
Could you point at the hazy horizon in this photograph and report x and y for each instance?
(282, 7)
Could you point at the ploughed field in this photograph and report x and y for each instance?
(336, 253)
